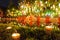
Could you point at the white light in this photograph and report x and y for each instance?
(42, 5)
(59, 4)
(24, 12)
(56, 9)
(41, 2)
(54, 6)
(9, 28)
(51, 7)
(46, 2)
(22, 6)
(15, 35)
(49, 27)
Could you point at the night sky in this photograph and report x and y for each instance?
(5, 3)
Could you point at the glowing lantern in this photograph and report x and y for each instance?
(23, 20)
(47, 20)
(15, 36)
(49, 28)
(58, 20)
(30, 20)
(38, 21)
(18, 19)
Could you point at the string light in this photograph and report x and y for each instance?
(27, 7)
(59, 5)
(46, 2)
(53, 6)
(56, 9)
(22, 6)
(41, 3)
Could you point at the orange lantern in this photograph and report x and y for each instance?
(47, 20)
(38, 21)
(18, 19)
(31, 19)
(58, 20)
(23, 20)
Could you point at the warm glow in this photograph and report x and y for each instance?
(41, 2)
(42, 5)
(59, 4)
(8, 10)
(9, 28)
(46, 2)
(54, 6)
(56, 9)
(15, 35)
(49, 28)
(24, 12)
(22, 6)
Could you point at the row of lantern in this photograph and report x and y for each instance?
(32, 20)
